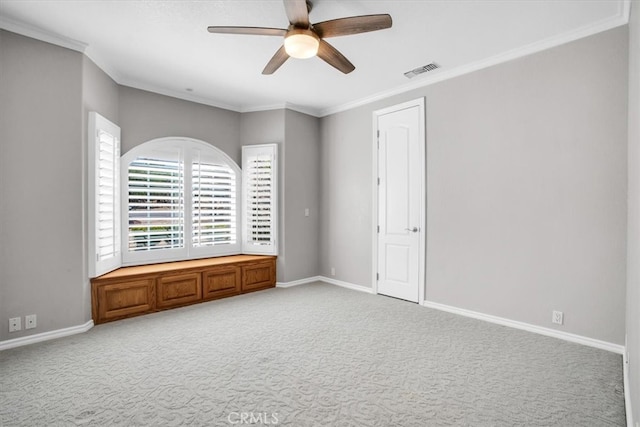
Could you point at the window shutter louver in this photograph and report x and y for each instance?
(156, 199)
(259, 184)
(104, 195)
(108, 157)
(214, 203)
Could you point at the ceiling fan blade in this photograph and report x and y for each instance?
(297, 13)
(276, 61)
(256, 31)
(352, 25)
(331, 56)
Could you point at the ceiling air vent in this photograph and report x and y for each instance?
(429, 67)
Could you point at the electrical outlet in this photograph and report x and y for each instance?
(557, 317)
(306, 212)
(30, 321)
(333, 271)
(15, 324)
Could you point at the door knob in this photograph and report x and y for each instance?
(413, 230)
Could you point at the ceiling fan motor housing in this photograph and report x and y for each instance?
(301, 42)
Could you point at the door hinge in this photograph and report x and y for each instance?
(378, 229)
(378, 181)
(377, 276)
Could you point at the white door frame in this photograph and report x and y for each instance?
(420, 103)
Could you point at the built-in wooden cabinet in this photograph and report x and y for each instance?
(257, 276)
(132, 291)
(221, 282)
(123, 299)
(173, 290)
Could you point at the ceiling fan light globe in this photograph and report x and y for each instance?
(301, 45)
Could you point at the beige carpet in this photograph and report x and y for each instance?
(308, 356)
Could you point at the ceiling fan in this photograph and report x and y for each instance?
(305, 40)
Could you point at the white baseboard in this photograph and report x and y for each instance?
(579, 339)
(340, 283)
(347, 285)
(298, 282)
(627, 392)
(45, 336)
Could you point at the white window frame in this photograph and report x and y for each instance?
(186, 146)
(249, 246)
(96, 126)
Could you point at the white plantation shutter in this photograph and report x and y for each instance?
(214, 203)
(107, 194)
(180, 202)
(156, 203)
(104, 195)
(259, 195)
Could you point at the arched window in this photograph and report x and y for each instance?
(180, 200)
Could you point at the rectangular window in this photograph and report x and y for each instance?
(259, 189)
(104, 195)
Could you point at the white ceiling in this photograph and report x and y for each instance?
(164, 46)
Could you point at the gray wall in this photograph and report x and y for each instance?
(526, 188)
(262, 127)
(145, 116)
(41, 176)
(301, 191)
(99, 92)
(633, 233)
(345, 197)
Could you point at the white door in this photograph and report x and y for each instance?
(401, 201)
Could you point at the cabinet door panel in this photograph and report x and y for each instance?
(124, 299)
(221, 282)
(178, 289)
(258, 276)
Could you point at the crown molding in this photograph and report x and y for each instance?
(283, 106)
(58, 40)
(622, 18)
(136, 84)
(269, 107)
(102, 64)
(625, 10)
(40, 34)
(303, 109)
(191, 97)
